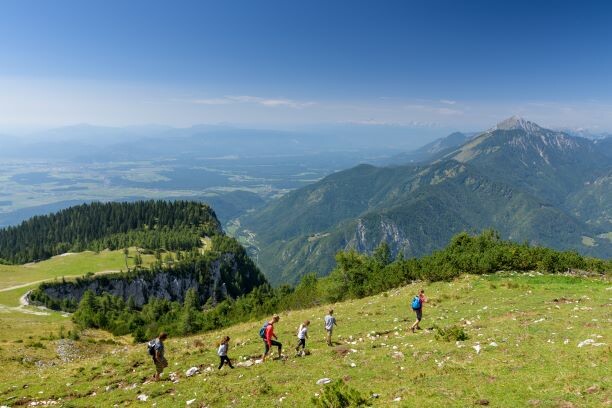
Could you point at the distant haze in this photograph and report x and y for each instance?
(277, 64)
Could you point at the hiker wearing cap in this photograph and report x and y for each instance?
(417, 306)
(268, 335)
(330, 322)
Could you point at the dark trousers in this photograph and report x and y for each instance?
(301, 343)
(223, 360)
(274, 343)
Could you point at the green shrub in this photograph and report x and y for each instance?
(37, 344)
(339, 395)
(451, 333)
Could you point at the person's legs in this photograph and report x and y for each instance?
(279, 345)
(329, 334)
(415, 325)
(301, 343)
(159, 368)
(266, 350)
(225, 359)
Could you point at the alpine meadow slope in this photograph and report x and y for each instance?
(529, 183)
(521, 329)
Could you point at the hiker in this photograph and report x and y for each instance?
(302, 335)
(222, 352)
(417, 306)
(156, 349)
(267, 337)
(330, 322)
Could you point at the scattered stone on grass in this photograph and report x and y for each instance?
(590, 342)
(142, 397)
(43, 403)
(324, 381)
(592, 389)
(397, 355)
(192, 371)
(482, 402)
(67, 350)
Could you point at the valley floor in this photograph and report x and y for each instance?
(534, 340)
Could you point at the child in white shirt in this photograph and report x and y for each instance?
(302, 335)
(222, 352)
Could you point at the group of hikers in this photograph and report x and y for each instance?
(156, 346)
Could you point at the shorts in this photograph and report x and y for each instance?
(160, 364)
(419, 314)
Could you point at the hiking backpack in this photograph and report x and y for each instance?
(262, 331)
(416, 303)
(151, 348)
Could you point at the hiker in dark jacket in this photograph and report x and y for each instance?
(158, 356)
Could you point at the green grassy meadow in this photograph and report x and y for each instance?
(16, 280)
(66, 265)
(528, 328)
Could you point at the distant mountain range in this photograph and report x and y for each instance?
(530, 183)
(430, 151)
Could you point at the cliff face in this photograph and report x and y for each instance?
(214, 279)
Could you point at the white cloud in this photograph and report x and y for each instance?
(269, 102)
(211, 101)
(447, 101)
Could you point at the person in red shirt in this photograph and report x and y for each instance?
(419, 311)
(269, 334)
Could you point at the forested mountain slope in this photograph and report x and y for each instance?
(151, 224)
(527, 182)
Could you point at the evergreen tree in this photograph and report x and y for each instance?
(189, 320)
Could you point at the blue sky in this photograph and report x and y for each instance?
(447, 64)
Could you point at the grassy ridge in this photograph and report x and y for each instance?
(536, 321)
(60, 266)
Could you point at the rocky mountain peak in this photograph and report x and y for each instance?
(516, 122)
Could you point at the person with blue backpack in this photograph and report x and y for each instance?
(417, 306)
(266, 333)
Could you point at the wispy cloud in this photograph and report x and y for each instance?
(269, 102)
(211, 101)
(448, 101)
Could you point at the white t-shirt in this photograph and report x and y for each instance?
(302, 332)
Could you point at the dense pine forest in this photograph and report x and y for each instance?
(169, 225)
(356, 275)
